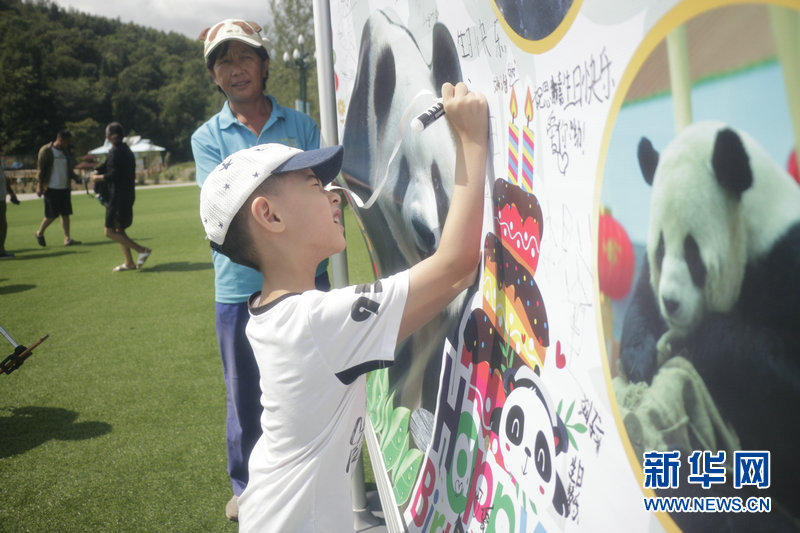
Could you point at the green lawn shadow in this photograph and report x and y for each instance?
(11, 289)
(178, 266)
(29, 427)
(27, 254)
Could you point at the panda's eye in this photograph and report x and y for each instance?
(515, 425)
(693, 260)
(403, 179)
(436, 177)
(542, 456)
(659, 252)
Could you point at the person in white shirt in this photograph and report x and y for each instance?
(267, 207)
(55, 169)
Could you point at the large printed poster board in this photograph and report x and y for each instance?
(632, 339)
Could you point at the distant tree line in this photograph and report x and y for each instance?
(289, 19)
(61, 67)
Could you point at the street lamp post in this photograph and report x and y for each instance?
(301, 61)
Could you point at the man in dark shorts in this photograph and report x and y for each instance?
(55, 166)
(119, 172)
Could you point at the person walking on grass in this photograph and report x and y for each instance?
(237, 59)
(5, 187)
(55, 169)
(119, 172)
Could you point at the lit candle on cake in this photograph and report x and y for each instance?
(527, 146)
(513, 140)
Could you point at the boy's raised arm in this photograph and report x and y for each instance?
(435, 281)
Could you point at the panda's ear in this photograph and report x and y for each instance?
(356, 161)
(445, 66)
(494, 420)
(648, 159)
(508, 380)
(731, 164)
(383, 87)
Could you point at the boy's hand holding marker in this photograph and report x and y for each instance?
(435, 281)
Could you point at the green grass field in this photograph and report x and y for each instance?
(117, 422)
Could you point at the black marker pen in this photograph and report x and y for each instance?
(427, 118)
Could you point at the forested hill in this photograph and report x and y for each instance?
(61, 67)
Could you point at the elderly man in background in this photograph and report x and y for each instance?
(237, 59)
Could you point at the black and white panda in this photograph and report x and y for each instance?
(531, 436)
(412, 176)
(721, 284)
(409, 174)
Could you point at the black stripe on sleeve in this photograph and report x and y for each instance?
(351, 374)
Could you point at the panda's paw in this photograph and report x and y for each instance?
(639, 359)
(664, 347)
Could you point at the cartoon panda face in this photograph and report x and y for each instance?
(530, 436)
(696, 243)
(527, 443)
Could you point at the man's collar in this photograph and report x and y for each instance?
(227, 118)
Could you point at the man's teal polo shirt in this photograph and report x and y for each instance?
(223, 135)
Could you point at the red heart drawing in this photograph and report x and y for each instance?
(561, 359)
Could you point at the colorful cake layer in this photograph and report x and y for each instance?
(518, 219)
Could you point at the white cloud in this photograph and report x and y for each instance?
(187, 17)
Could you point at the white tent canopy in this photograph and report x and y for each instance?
(146, 146)
(136, 143)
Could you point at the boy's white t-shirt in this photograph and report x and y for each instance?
(313, 350)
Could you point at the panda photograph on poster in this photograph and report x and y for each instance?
(705, 344)
(632, 342)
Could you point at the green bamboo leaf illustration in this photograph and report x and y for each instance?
(569, 412)
(383, 414)
(394, 442)
(572, 440)
(406, 474)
